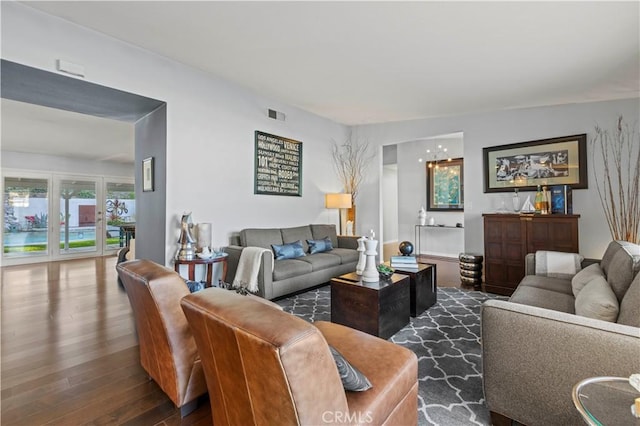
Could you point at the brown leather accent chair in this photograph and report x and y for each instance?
(266, 367)
(168, 351)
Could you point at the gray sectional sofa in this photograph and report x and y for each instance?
(554, 332)
(281, 277)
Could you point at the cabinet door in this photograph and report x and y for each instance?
(504, 245)
(552, 233)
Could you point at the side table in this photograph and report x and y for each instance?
(423, 288)
(378, 308)
(605, 401)
(208, 264)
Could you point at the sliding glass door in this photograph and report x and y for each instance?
(76, 202)
(25, 231)
(54, 216)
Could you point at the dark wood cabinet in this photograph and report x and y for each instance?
(509, 237)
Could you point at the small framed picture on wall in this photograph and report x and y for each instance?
(147, 174)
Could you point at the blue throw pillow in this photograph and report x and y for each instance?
(318, 246)
(195, 285)
(288, 251)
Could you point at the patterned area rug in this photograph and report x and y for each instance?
(446, 339)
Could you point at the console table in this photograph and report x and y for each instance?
(418, 234)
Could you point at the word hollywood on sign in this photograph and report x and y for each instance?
(278, 165)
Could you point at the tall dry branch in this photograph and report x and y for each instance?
(616, 163)
(350, 160)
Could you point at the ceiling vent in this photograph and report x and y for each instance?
(276, 115)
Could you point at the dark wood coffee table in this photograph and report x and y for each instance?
(422, 285)
(379, 308)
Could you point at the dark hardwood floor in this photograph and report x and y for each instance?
(70, 352)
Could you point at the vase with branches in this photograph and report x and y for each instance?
(617, 178)
(350, 160)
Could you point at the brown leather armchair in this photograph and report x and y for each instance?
(266, 367)
(168, 351)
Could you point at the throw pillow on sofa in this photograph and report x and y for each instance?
(195, 286)
(352, 378)
(597, 300)
(584, 277)
(288, 251)
(319, 246)
(630, 304)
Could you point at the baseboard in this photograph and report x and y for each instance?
(441, 258)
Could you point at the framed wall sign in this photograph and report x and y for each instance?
(524, 165)
(278, 165)
(445, 185)
(147, 174)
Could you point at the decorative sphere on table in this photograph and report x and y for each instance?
(406, 248)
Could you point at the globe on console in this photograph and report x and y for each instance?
(406, 248)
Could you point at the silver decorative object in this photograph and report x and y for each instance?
(187, 242)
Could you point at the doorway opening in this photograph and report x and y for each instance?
(34, 86)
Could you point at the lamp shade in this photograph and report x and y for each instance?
(337, 201)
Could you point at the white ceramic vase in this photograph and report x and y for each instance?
(422, 216)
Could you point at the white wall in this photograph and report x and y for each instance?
(499, 128)
(210, 126)
(390, 203)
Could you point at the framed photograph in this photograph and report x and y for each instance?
(524, 165)
(445, 185)
(147, 174)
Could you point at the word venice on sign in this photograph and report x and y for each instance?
(278, 165)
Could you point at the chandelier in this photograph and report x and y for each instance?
(435, 156)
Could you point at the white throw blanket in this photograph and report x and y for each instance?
(557, 264)
(248, 268)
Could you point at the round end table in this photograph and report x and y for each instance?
(208, 263)
(606, 401)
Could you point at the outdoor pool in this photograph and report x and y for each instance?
(23, 238)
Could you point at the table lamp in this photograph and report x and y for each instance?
(338, 201)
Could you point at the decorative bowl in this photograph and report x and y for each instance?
(205, 255)
(385, 272)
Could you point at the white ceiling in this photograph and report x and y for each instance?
(358, 62)
(41, 130)
(365, 62)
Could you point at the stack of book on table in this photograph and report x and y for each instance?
(404, 262)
